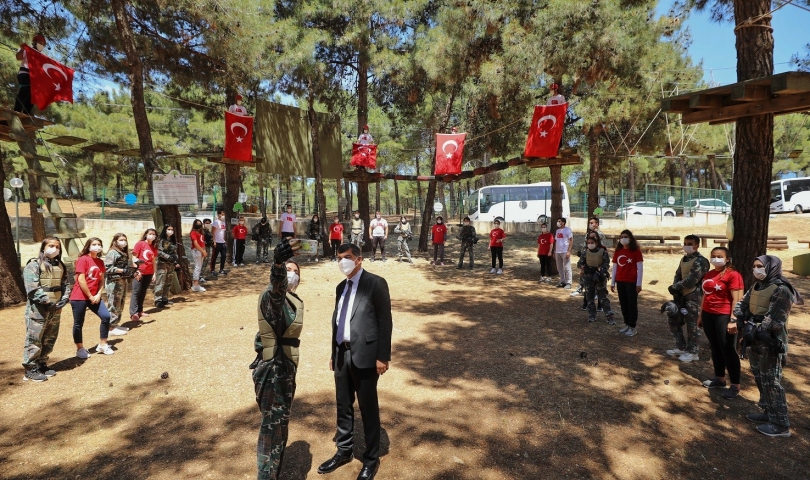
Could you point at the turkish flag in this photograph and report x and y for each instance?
(364, 155)
(449, 153)
(546, 131)
(238, 137)
(50, 80)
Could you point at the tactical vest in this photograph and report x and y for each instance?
(51, 282)
(760, 301)
(289, 341)
(357, 226)
(686, 268)
(594, 259)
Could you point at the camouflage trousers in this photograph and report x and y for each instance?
(162, 283)
(274, 382)
(596, 291)
(41, 330)
(767, 369)
(261, 249)
(403, 249)
(357, 239)
(691, 303)
(466, 247)
(116, 296)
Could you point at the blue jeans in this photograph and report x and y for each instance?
(80, 309)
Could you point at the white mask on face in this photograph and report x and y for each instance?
(95, 248)
(346, 266)
(169, 233)
(122, 243)
(559, 224)
(51, 252)
(625, 241)
(591, 246)
(759, 273)
(150, 237)
(292, 280)
(543, 229)
(688, 249)
(718, 261)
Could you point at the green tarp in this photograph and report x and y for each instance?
(282, 138)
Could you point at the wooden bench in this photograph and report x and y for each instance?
(771, 245)
(805, 241)
(658, 247)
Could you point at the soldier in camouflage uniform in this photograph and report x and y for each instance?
(403, 228)
(358, 226)
(47, 291)
(765, 309)
(119, 273)
(167, 262)
(688, 295)
(468, 238)
(263, 236)
(594, 274)
(281, 317)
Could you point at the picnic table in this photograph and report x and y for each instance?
(704, 239)
(658, 238)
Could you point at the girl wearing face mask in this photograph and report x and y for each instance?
(198, 253)
(314, 233)
(496, 238)
(118, 275)
(145, 251)
(722, 289)
(628, 270)
(87, 295)
(545, 250)
(593, 266)
(766, 307)
(335, 236)
(281, 319)
(167, 263)
(439, 234)
(47, 291)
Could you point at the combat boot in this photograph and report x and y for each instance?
(34, 375)
(48, 372)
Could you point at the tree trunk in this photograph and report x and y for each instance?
(362, 120)
(682, 163)
(712, 173)
(753, 154)
(378, 187)
(453, 204)
(595, 171)
(631, 180)
(37, 219)
(229, 199)
(418, 183)
(12, 289)
(320, 198)
(396, 195)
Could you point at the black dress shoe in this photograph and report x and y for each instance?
(333, 463)
(369, 471)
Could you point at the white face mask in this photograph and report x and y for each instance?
(759, 273)
(440, 222)
(543, 229)
(625, 241)
(169, 233)
(559, 224)
(378, 217)
(95, 248)
(150, 237)
(591, 246)
(346, 266)
(292, 280)
(718, 261)
(122, 243)
(357, 216)
(51, 252)
(688, 249)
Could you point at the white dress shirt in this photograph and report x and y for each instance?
(351, 296)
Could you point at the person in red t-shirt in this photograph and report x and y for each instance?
(722, 289)
(87, 294)
(335, 236)
(145, 251)
(628, 270)
(239, 233)
(197, 253)
(496, 238)
(439, 232)
(545, 242)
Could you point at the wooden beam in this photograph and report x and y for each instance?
(750, 93)
(790, 83)
(670, 105)
(701, 101)
(777, 106)
(549, 162)
(228, 161)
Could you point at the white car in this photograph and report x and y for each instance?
(644, 208)
(706, 205)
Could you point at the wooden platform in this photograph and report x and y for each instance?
(779, 94)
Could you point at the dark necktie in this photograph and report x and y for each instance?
(341, 329)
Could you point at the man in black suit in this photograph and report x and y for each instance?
(361, 351)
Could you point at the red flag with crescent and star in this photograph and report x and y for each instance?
(50, 80)
(545, 131)
(238, 137)
(364, 155)
(449, 153)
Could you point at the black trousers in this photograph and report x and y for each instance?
(335, 244)
(238, 251)
(545, 265)
(23, 103)
(497, 253)
(139, 289)
(723, 346)
(351, 382)
(219, 249)
(628, 300)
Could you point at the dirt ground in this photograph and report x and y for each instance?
(492, 377)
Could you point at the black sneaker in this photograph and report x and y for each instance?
(611, 320)
(583, 308)
(48, 372)
(758, 417)
(560, 285)
(223, 272)
(773, 430)
(730, 393)
(34, 375)
(213, 273)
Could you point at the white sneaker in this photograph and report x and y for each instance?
(202, 280)
(118, 331)
(241, 264)
(500, 271)
(105, 349)
(492, 271)
(631, 332)
(567, 286)
(576, 293)
(624, 329)
(82, 353)
(689, 357)
(197, 288)
(675, 352)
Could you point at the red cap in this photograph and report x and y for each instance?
(365, 127)
(39, 38)
(555, 86)
(238, 97)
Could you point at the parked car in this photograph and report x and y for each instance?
(644, 208)
(706, 205)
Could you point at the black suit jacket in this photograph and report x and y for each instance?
(370, 321)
